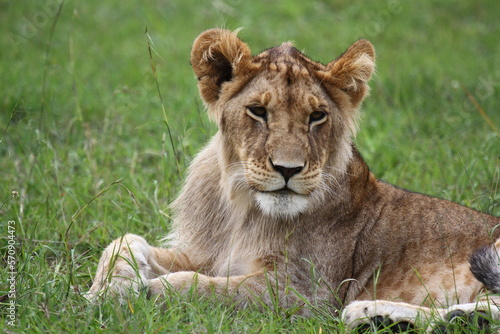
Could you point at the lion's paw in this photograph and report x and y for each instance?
(120, 287)
(475, 315)
(392, 316)
(123, 269)
(399, 317)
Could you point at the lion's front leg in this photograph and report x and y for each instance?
(128, 264)
(261, 288)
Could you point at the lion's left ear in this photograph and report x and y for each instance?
(217, 56)
(351, 71)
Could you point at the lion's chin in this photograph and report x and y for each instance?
(282, 204)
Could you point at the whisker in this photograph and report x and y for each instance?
(338, 170)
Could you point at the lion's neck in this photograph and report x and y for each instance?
(362, 182)
(219, 205)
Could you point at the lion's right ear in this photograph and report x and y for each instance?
(217, 56)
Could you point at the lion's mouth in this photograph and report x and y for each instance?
(285, 191)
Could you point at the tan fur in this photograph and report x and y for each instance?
(335, 235)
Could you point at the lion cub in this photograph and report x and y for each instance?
(281, 207)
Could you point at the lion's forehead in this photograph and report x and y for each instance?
(285, 78)
(288, 60)
(275, 92)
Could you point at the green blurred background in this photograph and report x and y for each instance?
(84, 144)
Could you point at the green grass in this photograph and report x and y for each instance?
(84, 143)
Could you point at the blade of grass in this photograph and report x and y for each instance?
(480, 110)
(46, 66)
(165, 118)
(8, 123)
(73, 218)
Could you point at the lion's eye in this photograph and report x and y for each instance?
(317, 116)
(259, 112)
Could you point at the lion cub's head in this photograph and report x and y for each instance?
(285, 121)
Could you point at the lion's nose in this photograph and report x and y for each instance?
(287, 171)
